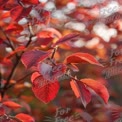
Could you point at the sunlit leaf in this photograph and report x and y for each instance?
(11, 104)
(25, 117)
(99, 88)
(81, 92)
(81, 58)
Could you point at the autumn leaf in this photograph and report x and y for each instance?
(25, 117)
(99, 88)
(11, 104)
(19, 12)
(2, 111)
(66, 38)
(43, 89)
(81, 58)
(30, 1)
(31, 58)
(81, 92)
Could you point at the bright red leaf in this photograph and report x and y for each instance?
(25, 117)
(30, 1)
(81, 92)
(19, 12)
(43, 89)
(81, 58)
(11, 104)
(31, 58)
(99, 88)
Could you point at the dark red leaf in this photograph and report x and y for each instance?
(43, 89)
(44, 41)
(2, 111)
(31, 58)
(81, 58)
(1, 41)
(99, 88)
(2, 2)
(25, 117)
(66, 38)
(11, 104)
(81, 92)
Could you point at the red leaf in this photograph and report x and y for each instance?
(3, 2)
(45, 34)
(14, 27)
(1, 41)
(11, 104)
(2, 111)
(43, 89)
(25, 117)
(82, 57)
(31, 58)
(30, 1)
(81, 92)
(44, 41)
(66, 38)
(99, 88)
(19, 12)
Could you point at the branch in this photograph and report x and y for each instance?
(18, 60)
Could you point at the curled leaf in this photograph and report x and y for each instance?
(99, 88)
(81, 92)
(66, 38)
(81, 58)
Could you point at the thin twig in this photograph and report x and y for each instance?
(19, 80)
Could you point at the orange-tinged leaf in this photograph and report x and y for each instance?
(99, 88)
(11, 104)
(81, 58)
(75, 89)
(81, 92)
(25, 117)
